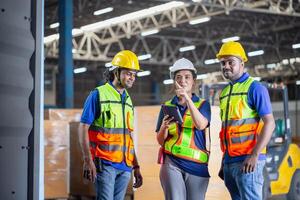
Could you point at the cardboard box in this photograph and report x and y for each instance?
(56, 184)
(70, 115)
(56, 158)
(56, 133)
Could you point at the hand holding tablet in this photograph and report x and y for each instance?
(172, 111)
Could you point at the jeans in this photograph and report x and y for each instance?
(244, 186)
(111, 183)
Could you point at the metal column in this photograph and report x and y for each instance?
(21, 99)
(65, 96)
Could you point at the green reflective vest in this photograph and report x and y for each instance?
(109, 135)
(181, 143)
(240, 123)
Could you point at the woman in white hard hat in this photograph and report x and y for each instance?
(184, 172)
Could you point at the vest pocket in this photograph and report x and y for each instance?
(242, 144)
(109, 119)
(108, 137)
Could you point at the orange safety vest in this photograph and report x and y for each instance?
(241, 125)
(110, 134)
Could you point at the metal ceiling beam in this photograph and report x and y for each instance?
(268, 32)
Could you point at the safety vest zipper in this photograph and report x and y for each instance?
(124, 127)
(226, 115)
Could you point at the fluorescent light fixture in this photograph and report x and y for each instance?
(168, 81)
(202, 76)
(197, 0)
(102, 11)
(187, 48)
(134, 15)
(80, 70)
(272, 65)
(144, 57)
(108, 64)
(199, 20)
(144, 73)
(256, 53)
(296, 46)
(292, 60)
(51, 38)
(285, 61)
(234, 38)
(257, 78)
(211, 61)
(54, 25)
(298, 82)
(150, 32)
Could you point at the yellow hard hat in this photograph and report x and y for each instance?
(232, 49)
(126, 59)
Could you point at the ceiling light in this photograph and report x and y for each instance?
(292, 60)
(133, 15)
(270, 66)
(297, 82)
(187, 48)
(202, 76)
(80, 70)
(149, 32)
(234, 38)
(102, 11)
(168, 81)
(211, 61)
(74, 50)
(285, 61)
(199, 20)
(256, 53)
(144, 73)
(54, 25)
(296, 46)
(144, 57)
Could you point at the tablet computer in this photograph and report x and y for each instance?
(172, 111)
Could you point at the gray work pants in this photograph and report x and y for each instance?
(180, 185)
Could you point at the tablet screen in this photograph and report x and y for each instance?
(172, 111)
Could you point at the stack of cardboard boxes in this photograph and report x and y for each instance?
(63, 157)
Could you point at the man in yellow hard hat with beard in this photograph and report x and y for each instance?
(247, 125)
(105, 131)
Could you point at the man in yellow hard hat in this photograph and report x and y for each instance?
(105, 131)
(247, 125)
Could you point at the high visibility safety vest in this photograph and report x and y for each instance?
(109, 135)
(241, 125)
(180, 141)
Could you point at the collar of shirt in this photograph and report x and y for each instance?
(123, 95)
(244, 77)
(175, 100)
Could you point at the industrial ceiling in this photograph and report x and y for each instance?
(266, 28)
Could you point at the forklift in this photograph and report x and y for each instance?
(282, 169)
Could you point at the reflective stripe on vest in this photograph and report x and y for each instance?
(240, 123)
(181, 144)
(109, 135)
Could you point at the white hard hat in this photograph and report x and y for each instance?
(182, 64)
